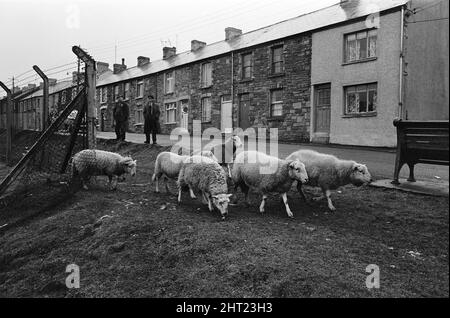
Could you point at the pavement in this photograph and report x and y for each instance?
(379, 161)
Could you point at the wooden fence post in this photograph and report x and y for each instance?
(9, 106)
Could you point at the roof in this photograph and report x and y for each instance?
(304, 23)
(59, 86)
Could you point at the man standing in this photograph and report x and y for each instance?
(151, 120)
(121, 113)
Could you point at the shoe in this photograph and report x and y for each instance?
(146, 142)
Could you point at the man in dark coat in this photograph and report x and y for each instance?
(121, 114)
(151, 120)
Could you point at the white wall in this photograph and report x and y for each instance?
(327, 67)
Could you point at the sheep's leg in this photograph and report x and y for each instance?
(210, 206)
(84, 180)
(166, 180)
(179, 195)
(204, 198)
(229, 170)
(300, 190)
(288, 210)
(115, 183)
(263, 203)
(156, 178)
(110, 182)
(191, 192)
(330, 203)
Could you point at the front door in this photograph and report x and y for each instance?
(184, 115)
(244, 106)
(226, 112)
(102, 119)
(322, 113)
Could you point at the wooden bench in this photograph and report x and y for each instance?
(420, 142)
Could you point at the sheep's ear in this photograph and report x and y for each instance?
(292, 164)
(229, 195)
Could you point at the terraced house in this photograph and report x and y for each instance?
(335, 75)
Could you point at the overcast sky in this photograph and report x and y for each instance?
(42, 32)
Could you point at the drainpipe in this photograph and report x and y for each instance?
(400, 93)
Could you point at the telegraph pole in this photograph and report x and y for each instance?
(45, 103)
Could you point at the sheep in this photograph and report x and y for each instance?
(169, 164)
(329, 173)
(87, 163)
(227, 150)
(201, 174)
(248, 172)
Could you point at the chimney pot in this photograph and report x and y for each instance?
(102, 67)
(168, 52)
(197, 45)
(118, 68)
(231, 33)
(142, 60)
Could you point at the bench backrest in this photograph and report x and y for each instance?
(424, 141)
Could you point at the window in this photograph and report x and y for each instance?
(360, 46)
(206, 109)
(247, 68)
(116, 92)
(206, 74)
(103, 95)
(276, 103)
(360, 99)
(171, 113)
(277, 60)
(126, 92)
(169, 83)
(140, 89)
(139, 117)
(63, 97)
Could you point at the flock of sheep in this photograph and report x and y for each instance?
(201, 173)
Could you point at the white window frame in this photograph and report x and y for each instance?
(170, 110)
(206, 118)
(138, 117)
(367, 88)
(281, 61)
(276, 103)
(244, 67)
(205, 79)
(169, 82)
(139, 89)
(116, 92)
(363, 34)
(103, 95)
(126, 91)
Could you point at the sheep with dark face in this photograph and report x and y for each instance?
(329, 173)
(87, 163)
(252, 169)
(204, 175)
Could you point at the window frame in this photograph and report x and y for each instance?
(139, 92)
(206, 119)
(126, 91)
(103, 95)
(136, 117)
(272, 103)
(368, 89)
(169, 87)
(202, 75)
(116, 92)
(170, 107)
(244, 67)
(367, 32)
(273, 62)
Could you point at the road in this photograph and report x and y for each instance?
(380, 162)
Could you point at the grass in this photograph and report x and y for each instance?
(146, 245)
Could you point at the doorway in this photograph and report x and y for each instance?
(322, 113)
(184, 120)
(226, 113)
(244, 107)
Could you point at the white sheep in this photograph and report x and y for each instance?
(226, 151)
(87, 163)
(267, 174)
(204, 175)
(329, 173)
(169, 164)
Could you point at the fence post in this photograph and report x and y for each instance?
(45, 103)
(90, 83)
(9, 107)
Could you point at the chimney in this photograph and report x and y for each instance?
(231, 33)
(102, 67)
(31, 86)
(168, 52)
(117, 68)
(52, 81)
(197, 45)
(142, 60)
